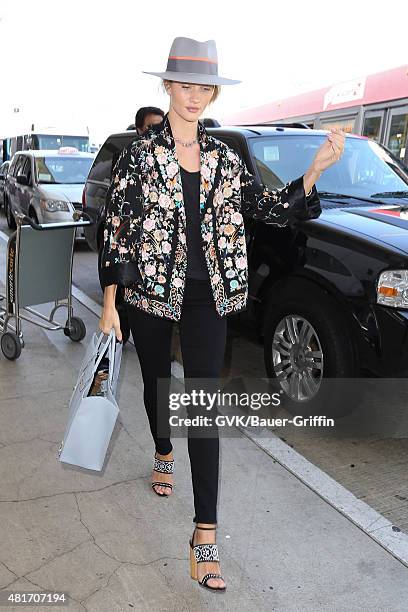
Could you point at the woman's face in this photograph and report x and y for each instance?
(189, 100)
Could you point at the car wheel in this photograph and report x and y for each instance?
(307, 352)
(11, 222)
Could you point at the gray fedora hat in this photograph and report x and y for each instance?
(191, 61)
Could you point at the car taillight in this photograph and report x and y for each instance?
(83, 198)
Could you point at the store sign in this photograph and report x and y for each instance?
(340, 93)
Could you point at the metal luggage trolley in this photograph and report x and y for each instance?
(38, 271)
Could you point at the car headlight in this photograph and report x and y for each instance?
(392, 288)
(54, 205)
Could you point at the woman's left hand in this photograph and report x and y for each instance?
(330, 151)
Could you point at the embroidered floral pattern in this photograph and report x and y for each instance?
(145, 230)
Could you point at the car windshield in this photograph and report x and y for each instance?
(66, 170)
(365, 169)
(49, 141)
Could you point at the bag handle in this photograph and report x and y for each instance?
(110, 347)
(98, 343)
(97, 349)
(107, 346)
(112, 355)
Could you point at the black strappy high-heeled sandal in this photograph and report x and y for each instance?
(201, 553)
(164, 467)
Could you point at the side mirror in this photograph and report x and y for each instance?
(22, 179)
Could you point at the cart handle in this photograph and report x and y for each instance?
(22, 218)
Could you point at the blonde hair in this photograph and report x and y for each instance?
(216, 92)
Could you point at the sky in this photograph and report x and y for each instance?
(79, 64)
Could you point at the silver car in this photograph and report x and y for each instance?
(3, 175)
(47, 185)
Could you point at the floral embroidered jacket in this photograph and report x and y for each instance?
(144, 247)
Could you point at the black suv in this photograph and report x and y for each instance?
(329, 296)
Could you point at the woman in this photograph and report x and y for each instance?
(174, 191)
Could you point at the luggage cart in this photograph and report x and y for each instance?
(38, 271)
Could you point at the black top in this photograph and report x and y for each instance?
(196, 264)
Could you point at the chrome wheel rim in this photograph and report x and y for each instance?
(297, 358)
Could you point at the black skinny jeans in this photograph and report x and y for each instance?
(203, 340)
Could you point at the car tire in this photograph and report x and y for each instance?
(308, 350)
(11, 222)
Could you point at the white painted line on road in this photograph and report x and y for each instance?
(374, 524)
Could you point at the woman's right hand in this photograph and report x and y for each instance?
(330, 151)
(109, 319)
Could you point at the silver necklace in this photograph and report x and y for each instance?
(186, 143)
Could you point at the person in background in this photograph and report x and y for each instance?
(145, 117)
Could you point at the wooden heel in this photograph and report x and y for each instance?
(200, 553)
(193, 564)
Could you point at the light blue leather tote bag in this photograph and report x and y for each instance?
(92, 418)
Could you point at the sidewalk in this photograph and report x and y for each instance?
(113, 545)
